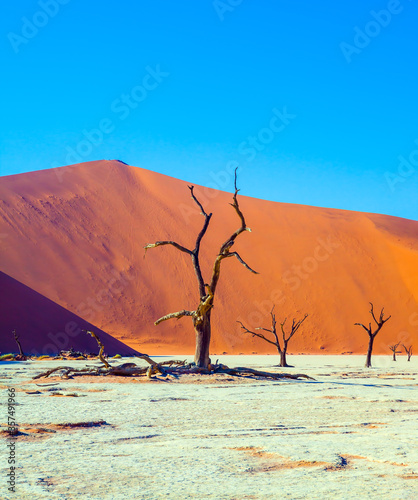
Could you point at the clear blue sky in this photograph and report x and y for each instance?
(186, 87)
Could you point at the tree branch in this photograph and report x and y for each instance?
(235, 254)
(282, 329)
(205, 225)
(176, 315)
(273, 327)
(230, 241)
(381, 321)
(384, 320)
(259, 335)
(224, 250)
(202, 233)
(173, 243)
(198, 202)
(296, 326)
(101, 357)
(368, 330)
(372, 313)
(195, 252)
(265, 329)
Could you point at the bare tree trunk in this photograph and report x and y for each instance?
(203, 331)
(283, 359)
(369, 352)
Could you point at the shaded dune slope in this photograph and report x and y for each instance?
(76, 235)
(44, 327)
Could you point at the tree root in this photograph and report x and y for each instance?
(173, 368)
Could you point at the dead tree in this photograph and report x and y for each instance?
(101, 346)
(393, 349)
(408, 351)
(201, 316)
(276, 342)
(372, 334)
(21, 356)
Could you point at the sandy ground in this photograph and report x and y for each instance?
(348, 435)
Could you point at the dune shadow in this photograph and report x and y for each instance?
(45, 327)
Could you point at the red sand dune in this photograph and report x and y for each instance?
(76, 235)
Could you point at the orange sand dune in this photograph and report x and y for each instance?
(76, 235)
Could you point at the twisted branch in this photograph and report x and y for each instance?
(235, 254)
(379, 322)
(293, 329)
(259, 335)
(102, 359)
(224, 250)
(176, 315)
(161, 243)
(230, 241)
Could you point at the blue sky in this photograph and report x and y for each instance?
(315, 101)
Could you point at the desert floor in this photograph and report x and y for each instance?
(351, 434)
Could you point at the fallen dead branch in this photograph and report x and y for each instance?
(173, 368)
(249, 371)
(77, 425)
(53, 370)
(25, 431)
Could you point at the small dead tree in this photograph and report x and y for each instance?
(408, 351)
(21, 356)
(372, 334)
(276, 342)
(101, 346)
(201, 316)
(395, 352)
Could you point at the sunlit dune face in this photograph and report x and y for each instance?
(76, 236)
